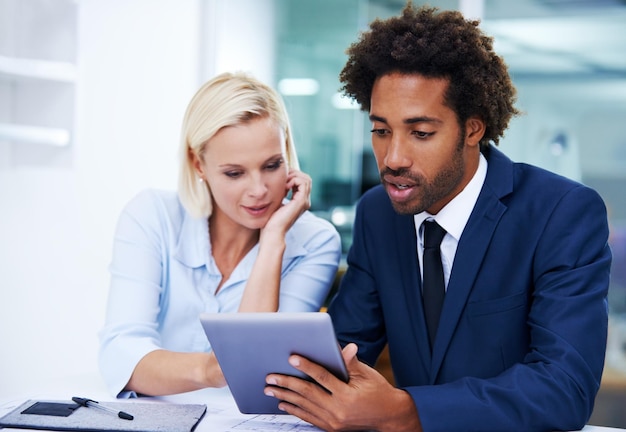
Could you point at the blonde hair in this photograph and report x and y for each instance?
(226, 100)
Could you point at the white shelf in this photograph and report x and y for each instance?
(55, 137)
(38, 81)
(39, 69)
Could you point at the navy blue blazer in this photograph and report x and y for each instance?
(522, 336)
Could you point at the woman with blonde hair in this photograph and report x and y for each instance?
(228, 241)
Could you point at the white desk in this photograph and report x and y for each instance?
(222, 414)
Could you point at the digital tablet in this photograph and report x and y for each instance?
(249, 346)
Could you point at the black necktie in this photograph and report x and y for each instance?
(433, 289)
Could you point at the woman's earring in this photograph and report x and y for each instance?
(200, 179)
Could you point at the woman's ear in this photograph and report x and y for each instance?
(474, 131)
(196, 163)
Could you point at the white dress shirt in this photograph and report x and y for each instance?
(453, 218)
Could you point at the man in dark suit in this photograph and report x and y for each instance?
(519, 341)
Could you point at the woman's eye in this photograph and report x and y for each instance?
(233, 174)
(273, 166)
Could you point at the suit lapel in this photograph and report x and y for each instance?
(471, 251)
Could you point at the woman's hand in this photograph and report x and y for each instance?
(262, 290)
(283, 218)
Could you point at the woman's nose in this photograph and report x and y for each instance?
(257, 187)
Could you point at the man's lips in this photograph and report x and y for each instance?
(398, 182)
(399, 189)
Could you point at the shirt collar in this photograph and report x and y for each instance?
(454, 216)
(193, 247)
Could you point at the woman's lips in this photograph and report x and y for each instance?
(257, 210)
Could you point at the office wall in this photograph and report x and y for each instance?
(138, 67)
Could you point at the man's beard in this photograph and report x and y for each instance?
(431, 192)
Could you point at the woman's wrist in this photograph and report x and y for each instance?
(213, 376)
(272, 241)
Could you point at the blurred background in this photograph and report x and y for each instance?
(92, 95)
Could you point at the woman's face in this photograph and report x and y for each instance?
(245, 167)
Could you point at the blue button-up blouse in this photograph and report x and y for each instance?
(163, 276)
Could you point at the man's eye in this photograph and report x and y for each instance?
(379, 132)
(421, 134)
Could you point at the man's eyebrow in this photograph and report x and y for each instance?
(421, 119)
(411, 120)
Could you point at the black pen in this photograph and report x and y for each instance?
(93, 404)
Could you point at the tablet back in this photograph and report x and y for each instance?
(248, 346)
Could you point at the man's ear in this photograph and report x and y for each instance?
(474, 131)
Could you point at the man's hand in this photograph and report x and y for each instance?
(366, 402)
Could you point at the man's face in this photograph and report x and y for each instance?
(425, 158)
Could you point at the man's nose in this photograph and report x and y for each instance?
(396, 156)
